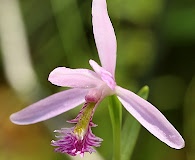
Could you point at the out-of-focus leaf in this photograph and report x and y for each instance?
(30, 11)
(70, 26)
(138, 12)
(189, 119)
(167, 92)
(178, 24)
(136, 54)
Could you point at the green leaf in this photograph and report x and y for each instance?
(130, 130)
(144, 92)
(115, 110)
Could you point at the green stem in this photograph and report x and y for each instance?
(115, 110)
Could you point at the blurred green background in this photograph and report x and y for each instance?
(156, 45)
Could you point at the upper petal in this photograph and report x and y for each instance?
(79, 78)
(50, 106)
(104, 35)
(151, 118)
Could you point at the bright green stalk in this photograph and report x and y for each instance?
(115, 110)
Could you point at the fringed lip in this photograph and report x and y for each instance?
(78, 139)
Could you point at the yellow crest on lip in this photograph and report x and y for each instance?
(84, 120)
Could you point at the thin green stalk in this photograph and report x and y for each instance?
(115, 110)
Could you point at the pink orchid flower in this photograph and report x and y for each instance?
(91, 87)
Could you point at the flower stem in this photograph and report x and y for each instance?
(115, 110)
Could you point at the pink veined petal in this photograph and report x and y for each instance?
(104, 74)
(151, 118)
(50, 106)
(104, 35)
(76, 78)
(96, 67)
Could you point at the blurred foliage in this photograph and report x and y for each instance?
(21, 142)
(156, 43)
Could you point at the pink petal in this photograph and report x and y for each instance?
(50, 107)
(104, 35)
(78, 78)
(151, 118)
(104, 74)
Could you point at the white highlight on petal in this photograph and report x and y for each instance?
(49, 107)
(151, 118)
